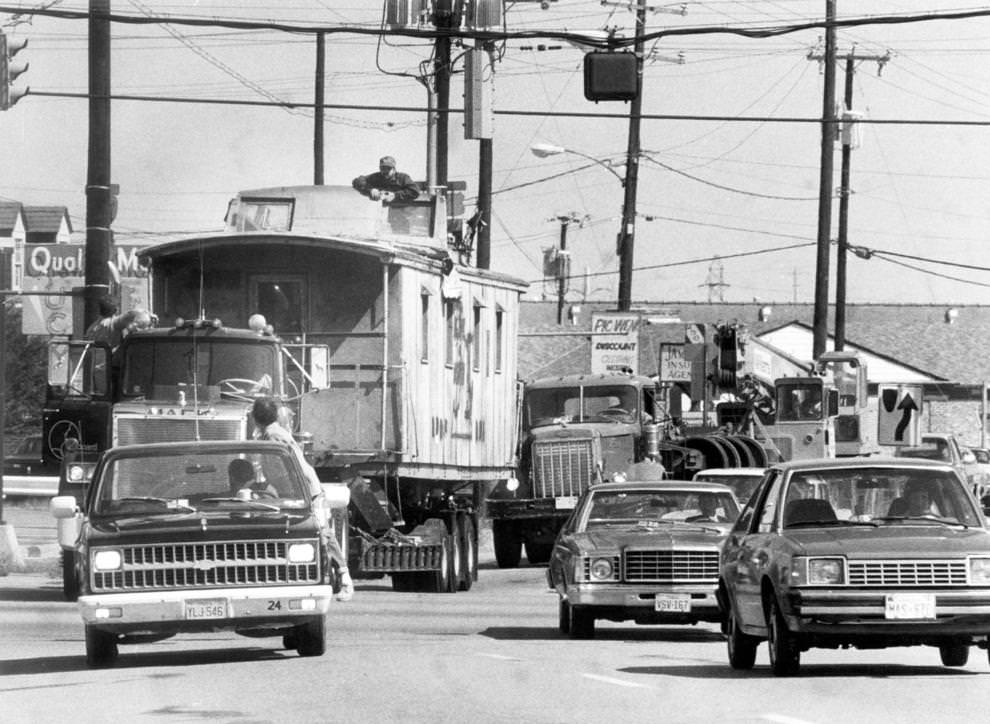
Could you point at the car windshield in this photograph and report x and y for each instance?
(188, 480)
(638, 506)
(865, 495)
(580, 404)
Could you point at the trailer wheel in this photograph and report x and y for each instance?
(406, 582)
(439, 581)
(469, 553)
(70, 584)
(508, 548)
(538, 553)
(456, 555)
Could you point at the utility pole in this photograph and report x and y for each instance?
(627, 233)
(445, 17)
(319, 110)
(820, 320)
(844, 194)
(99, 193)
(564, 262)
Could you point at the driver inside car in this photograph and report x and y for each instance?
(244, 482)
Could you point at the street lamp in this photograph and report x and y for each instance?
(543, 150)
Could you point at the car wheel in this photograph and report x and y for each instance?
(582, 623)
(101, 647)
(785, 654)
(508, 548)
(741, 647)
(311, 638)
(70, 584)
(954, 654)
(564, 616)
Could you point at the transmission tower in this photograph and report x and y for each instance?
(715, 282)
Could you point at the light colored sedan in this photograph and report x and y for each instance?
(641, 551)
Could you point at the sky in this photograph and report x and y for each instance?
(728, 183)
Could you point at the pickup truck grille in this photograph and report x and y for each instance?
(671, 566)
(908, 573)
(562, 468)
(206, 565)
(138, 430)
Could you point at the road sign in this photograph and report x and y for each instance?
(899, 414)
(673, 365)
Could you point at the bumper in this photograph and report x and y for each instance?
(874, 612)
(655, 603)
(205, 610)
(524, 509)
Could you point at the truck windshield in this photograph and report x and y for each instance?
(153, 368)
(582, 404)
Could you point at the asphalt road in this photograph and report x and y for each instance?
(492, 654)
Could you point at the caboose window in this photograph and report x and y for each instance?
(424, 326)
(450, 312)
(476, 338)
(499, 339)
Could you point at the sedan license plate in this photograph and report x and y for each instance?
(206, 608)
(672, 604)
(565, 502)
(910, 606)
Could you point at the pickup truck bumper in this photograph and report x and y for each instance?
(213, 609)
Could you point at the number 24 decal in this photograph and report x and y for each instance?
(274, 605)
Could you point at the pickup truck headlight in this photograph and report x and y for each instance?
(107, 560)
(818, 572)
(979, 571)
(302, 553)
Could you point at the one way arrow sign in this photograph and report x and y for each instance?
(899, 415)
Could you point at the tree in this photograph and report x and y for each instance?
(26, 362)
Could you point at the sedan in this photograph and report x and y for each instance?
(743, 481)
(641, 551)
(856, 552)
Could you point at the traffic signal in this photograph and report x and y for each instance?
(9, 71)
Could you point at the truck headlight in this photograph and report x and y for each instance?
(79, 472)
(107, 560)
(302, 553)
(818, 572)
(979, 571)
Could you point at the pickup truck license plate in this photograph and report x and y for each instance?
(672, 604)
(205, 608)
(910, 606)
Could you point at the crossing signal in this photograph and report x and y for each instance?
(9, 71)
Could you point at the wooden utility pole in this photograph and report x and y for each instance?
(99, 193)
(820, 321)
(319, 111)
(627, 233)
(844, 193)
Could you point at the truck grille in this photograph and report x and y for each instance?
(562, 468)
(907, 573)
(671, 566)
(206, 565)
(137, 430)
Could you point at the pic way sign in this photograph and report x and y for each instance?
(899, 415)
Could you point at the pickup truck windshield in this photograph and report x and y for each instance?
(152, 368)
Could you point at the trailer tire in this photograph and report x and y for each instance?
(456, 556)
(538, 553)
(406, 582)
(439, 581)
(469, 553)
(508, 548)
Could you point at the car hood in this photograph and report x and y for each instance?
(891, 541)
(677, 535)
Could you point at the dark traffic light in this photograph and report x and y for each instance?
(9, 71)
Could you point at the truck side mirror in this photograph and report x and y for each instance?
(68, 519)
(336, 495)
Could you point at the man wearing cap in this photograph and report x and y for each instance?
(387, 184)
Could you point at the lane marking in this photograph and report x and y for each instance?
(782, 719)
(617, 682)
